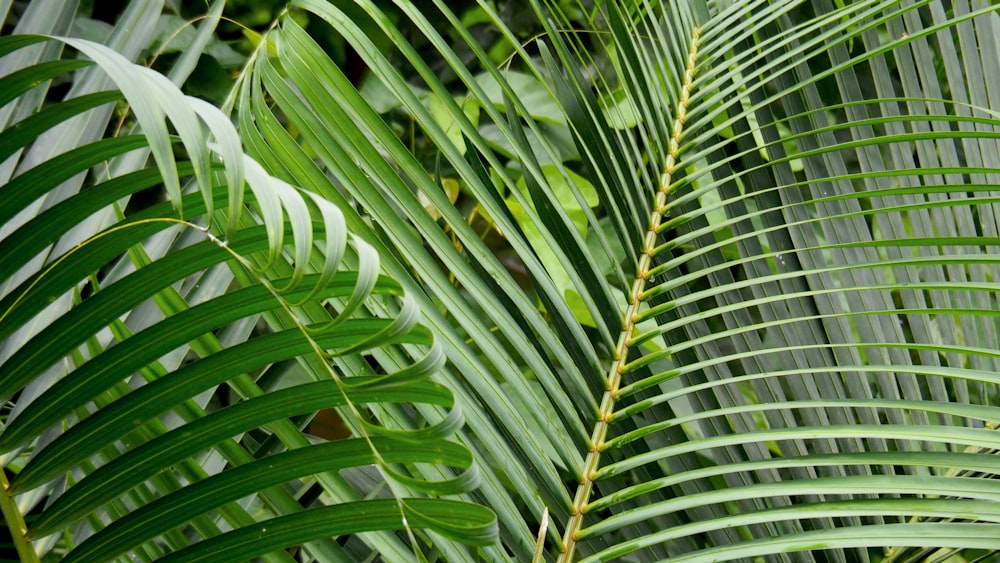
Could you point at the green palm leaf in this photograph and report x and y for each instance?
(786, 281)
(115, 345)
(675, 281)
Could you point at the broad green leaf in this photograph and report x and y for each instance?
(530, 92)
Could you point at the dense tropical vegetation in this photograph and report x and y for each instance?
(359, 280)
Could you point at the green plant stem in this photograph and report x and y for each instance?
(597, 443)
(15, 523)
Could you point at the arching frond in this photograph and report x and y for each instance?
(122, 350)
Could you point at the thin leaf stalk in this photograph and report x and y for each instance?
(353, 409)
(15, 522)
(597, 443)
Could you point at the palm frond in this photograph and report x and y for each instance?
(689, 281)
(119, 348)
(775, 333)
